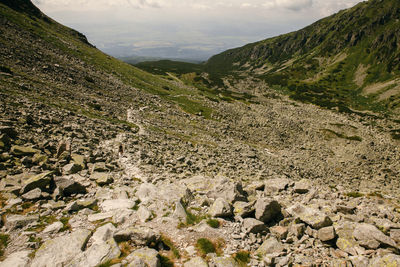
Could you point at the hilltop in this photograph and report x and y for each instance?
(105, 164)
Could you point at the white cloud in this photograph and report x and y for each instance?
(294, 4)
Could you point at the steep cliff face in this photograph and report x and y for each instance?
(331, 61)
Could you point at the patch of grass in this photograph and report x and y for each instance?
(375, 194)
(168, 242)
(352, 138)
(4, 238)
(205, 246)
(354, 194)
(242, 258)
(66, 225)
(214, 223)
(165, 261)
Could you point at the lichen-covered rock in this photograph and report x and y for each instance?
(147, 255)
(270, 246)
(313, 217)
(196, 262)
(41, 181)
(221, 208)
(267, 209)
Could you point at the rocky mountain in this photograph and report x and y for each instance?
(103, 164)
(348, 60)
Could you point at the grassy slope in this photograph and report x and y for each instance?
(71, 44)
(367, 34)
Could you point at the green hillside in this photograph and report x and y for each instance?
(350, 59)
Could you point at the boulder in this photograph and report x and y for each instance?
(267, 209)
(146, 192)
(19, 221)
(61, 250)
(33, 194)
(370, 237)
(221, 208)
(99, 167)
(243, 209)
(139, 235)
(17, 259)
(251, 225)
(388, 260)
(103, 233)
(276, 185)
(117, 204)
(302, 186)
(53, 228)
(280, 232)
(148, 256)
(144, 214)
(68, 187)
(71, 168)
(225, 262)
(228, 190)
(42, 181)
(326, 233)
(23, 151)
(270, 246)
(101, 178)
(313, 217)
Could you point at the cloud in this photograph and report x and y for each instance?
(294, 4)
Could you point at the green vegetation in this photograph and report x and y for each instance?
(242, 258)
(352, 138)
(163, 67)
(354, 194)
(165, 261)
(168, 242)
(4, 238)
(214, 223)
(205, 246)
(65, 222)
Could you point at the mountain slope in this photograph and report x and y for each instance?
(335, 62)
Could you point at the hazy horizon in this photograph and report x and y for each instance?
(184, 29)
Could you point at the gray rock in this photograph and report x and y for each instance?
(68, 187)
(276, 185)
(359, 261)
(366, 234)
(228, 190)
(103, 233)
(19, 221)
(53, 228)
(395, 235)
(140, 235)
(243, 209)
(99, 167)
(41, 181)
(71, 168)
(225, 262)
(270, 246)
(196, 262)
(251, 225)
(267, 209)
(17, 259)
(33, 194)
(180, 212)
(385, 261)
(101, 178)
(302, 186)
(147, 255)
(117, 204)
(326, 233)
(280, 232)
(146, 192)
(144, 214)
(100, 216)
(61, 250)
(313, 217)
(97, 254)
(23, 151)
(221, 208)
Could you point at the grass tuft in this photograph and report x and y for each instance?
(205, 246)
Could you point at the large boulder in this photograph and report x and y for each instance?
(148, 256)
(229, 190)
(139, 235)
(251, 225)
(15, 221)
(41, 181)
(97, 254)
(370, 237)
(61, 250)
(270, 246)
(221, 208)
(117, 204)
(267, 209)
(68, 187)
(196, 262)
(23, 151)
(313, 217)
(276, 185)
(17, 259)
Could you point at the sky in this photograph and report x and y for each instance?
(186, 29)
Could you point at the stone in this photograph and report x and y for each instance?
(33, 194)
(17, 259)
(196, 262)
(117, 204)
(103, 233)
(87, 203)
(326, 233)
(395, 235)
(228, 190)
(225, 262)
(267, 209)
(144, 214)
(53, 228)
(100, 216)
(243, 209)
(41, 181)
(61, 250)
(180, 212)
(280, 232)
(221, 208)
(97, 254)
(147, 255)
(79, 160)
(270, 246)
(19, 221)
(101, 178)
(385, 261)
(251, 225)
(68, 187)
(302, 186)
(9, 131)
(139, 235)
(23, 151)
(71, 168)
(99, 167)
(366, 234)
(276, 185)
(313, 217)
(359, 261)
(146, 192)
